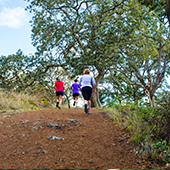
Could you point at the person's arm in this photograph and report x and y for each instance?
(63, 86)
(54, 86)
(80, 81)
(79, 87)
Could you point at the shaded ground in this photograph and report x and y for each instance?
(29, 140)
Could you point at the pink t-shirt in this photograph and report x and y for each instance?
(59, 86)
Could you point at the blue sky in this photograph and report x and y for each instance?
(15, 29)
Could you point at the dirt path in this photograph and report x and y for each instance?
(32, 140)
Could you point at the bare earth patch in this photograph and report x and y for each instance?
(64, 139)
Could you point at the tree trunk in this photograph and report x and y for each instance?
(95, 101)
(98, 99)
(68, 101)
(147, 92)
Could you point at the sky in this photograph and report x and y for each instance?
(15, 29)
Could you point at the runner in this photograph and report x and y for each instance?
(87, 88)
(59, 90)
(75, 88)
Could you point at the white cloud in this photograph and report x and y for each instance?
(2, 2)
(13, 17)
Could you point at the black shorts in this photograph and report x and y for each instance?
(59, 93)
(86, 92)
(75, 94)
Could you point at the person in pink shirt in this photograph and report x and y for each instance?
(59, 90)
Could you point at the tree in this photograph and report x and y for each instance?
(146, 55)
(19, 71)
(77, 31)
(101, 35)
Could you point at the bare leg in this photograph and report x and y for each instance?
(89, 104)
(85, 106)
(60, 100)
(76, 99)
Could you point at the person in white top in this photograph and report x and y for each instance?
(88, 85)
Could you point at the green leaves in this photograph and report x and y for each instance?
(20, 71)
(103, 35)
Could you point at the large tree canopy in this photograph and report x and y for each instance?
(103, 36)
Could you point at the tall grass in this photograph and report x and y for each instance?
(12, 101)
(146, 125)
(132, 120)
(15, 101)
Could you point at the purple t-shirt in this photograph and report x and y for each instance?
(75, 87)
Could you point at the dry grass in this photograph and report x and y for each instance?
(15, 101)
(11, 101)
(132, 123)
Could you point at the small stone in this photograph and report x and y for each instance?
(14, 130)
(54, 126)
(98, 137)
(44, 151)
(34, 128)
(36, 123)
(55, 138)
(19, 126)
(11, 114)
(39, 152)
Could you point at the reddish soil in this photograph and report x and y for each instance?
(87, 142)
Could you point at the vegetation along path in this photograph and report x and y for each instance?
(63, 139)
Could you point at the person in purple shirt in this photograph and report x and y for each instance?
(75, 88)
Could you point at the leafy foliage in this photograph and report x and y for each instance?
(103, 36)
(19, 71)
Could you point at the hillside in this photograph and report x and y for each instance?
(64, 139)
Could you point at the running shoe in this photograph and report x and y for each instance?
(74, 103)
(57, 104)
(76, 106)
(59, 107)
(85, 108)
(88, 111)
